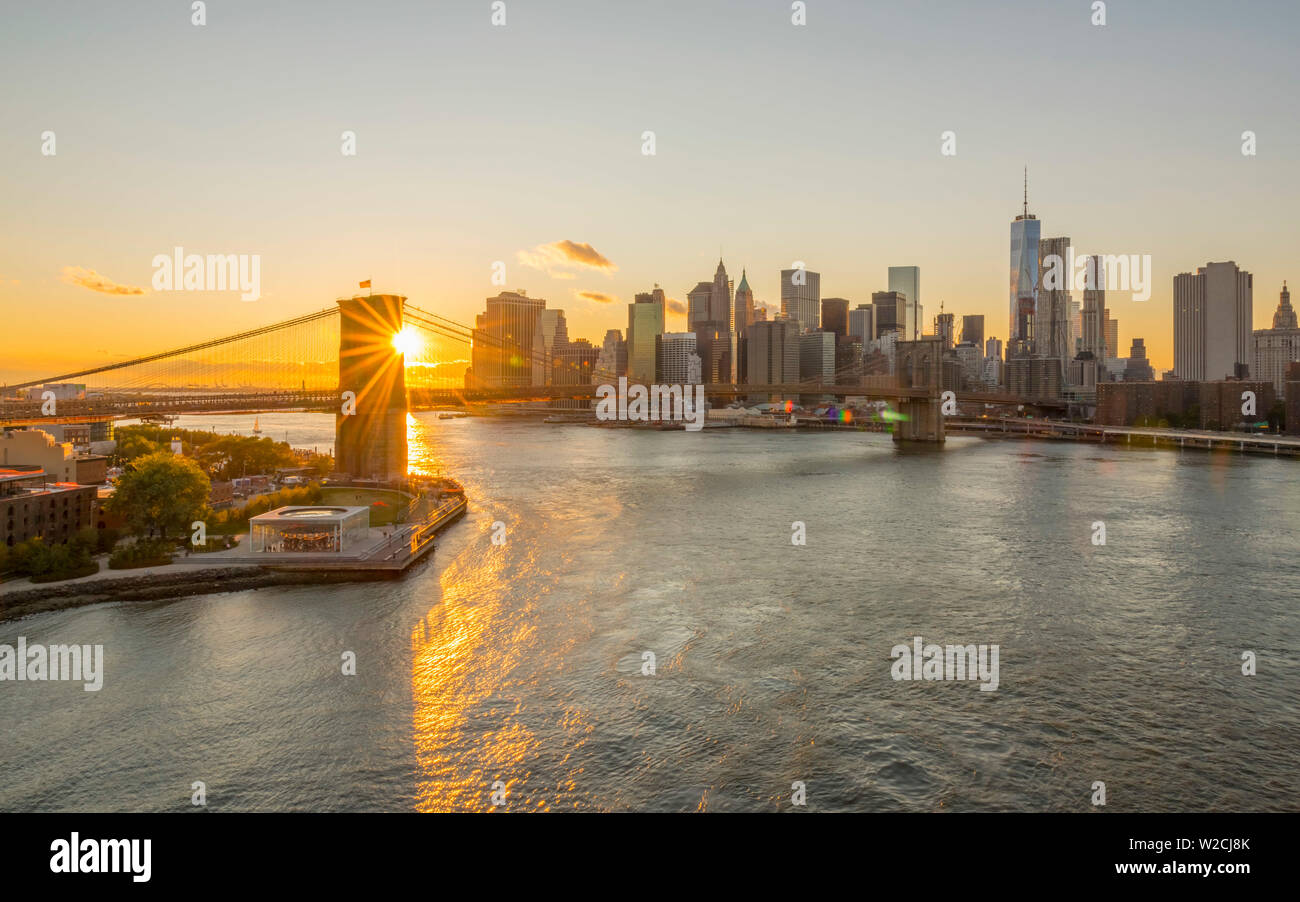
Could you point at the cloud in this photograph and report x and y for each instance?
(557, 256)
(676, 306)
(597, 296)
(88, 278)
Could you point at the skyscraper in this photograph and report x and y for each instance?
(835, 316)
(906, 280)
(612, 362)
(1026, 231)
(801, 293)
(1213, 310)
(817, 357)
(552, 332)
(1093, 315)
(1052, 320)
(890, 312)
(743, 307)
(645, 322)
(674, 352)
(944, 327)
(1277, 348)
(720, 297)
(697, 303)
(972, 330)
(504, 337)
(773, 352)
(862, 324)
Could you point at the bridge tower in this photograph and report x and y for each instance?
(371, 442)
(920, 365)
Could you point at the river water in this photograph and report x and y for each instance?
(523, 662)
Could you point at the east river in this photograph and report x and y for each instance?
(524, 663)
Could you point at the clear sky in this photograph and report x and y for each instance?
(477, 144)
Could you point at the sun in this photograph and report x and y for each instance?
(408, 342)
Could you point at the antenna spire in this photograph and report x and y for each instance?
(1026, 210)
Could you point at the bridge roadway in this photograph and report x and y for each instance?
(122, 406)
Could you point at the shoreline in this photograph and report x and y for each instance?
(170, 586)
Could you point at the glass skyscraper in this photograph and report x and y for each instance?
(1026, 232)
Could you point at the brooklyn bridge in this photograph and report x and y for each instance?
(371, 358)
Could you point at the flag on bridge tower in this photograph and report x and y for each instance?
(365, 284)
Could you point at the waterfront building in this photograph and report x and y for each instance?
(302, 530)
(1275, 349)
(504, 337)
(1213, 311)
(35, 506)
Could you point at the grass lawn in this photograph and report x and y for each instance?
(380, 515)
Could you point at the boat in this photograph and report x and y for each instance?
(257, 429)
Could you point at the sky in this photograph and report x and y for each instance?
(478, 143)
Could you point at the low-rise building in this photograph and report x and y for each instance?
(31, 507)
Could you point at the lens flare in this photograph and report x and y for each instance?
(408, 342)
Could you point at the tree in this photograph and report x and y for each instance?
(163, 492)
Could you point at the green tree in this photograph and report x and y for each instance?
(163, 492)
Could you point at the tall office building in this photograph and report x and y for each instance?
(817, 357)
(862, 323)
(612, 362)
(370, 443)
(645, 322)
(743, 306)
(773, 352)
(742, 315)
(944, 327)
(1093, 315)
(1277, 348)
(1026, 232)
(674, 352)
(801, 294)
(1052, 321)
(972, 330)
(574, 363)
(720, 297)
(504, 339)
(552, 332)
(1137, 368)
(715, 346)
(1213, 309)
(891, 313)
(697, 303)
(1112, 333)
(835, 316)
(906, 280)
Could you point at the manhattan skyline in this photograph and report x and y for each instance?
(831, 157)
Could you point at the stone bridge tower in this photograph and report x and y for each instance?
(920, 365)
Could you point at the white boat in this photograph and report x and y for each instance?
(257, 429)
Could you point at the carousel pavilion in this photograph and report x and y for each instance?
(292, 530)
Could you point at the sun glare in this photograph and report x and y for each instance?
(408, 342)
